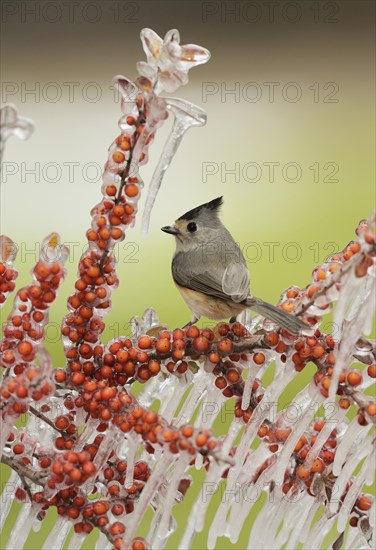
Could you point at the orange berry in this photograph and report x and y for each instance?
(282, 434)
(328, 456)
(272, 339)
(281, 347)
(263, 431)
(18, 449)
(125, 145)
(138, 544)
(259, 358)
(187, 431)
(163, 345)
(354, 247)
(363, 503)
(318, 466)
(303, 473)
(25, 348)
(371, 409)
(354, 378)
(118, 157)
(214, 357)
(318, 351)
(154, 366)
(232, 376)
(342, 375)
(192, 332)
(302, 441)
(312, 290)
(201, 343)
(220, 382)
(224, 346)
(371, 370)
(144, 342)
(318, 426)
(131, 190)
(111, 190)
(201, 439)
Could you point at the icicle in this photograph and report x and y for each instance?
(105, 448)
(241, 508)
(151, 487)
(306, 528)
(23, 525)
(319, 532)
(277, 470)
(196, 517)
(152, 390)
(354, 490)
(355, 539)
(210, 408)
(353, 436)
(270, 515)
(199, 461)
(169, 500)
(352, 330)
(76, 541)
(246, 398)
(235, 427)
(346, 473)
(171, 394)
(86, 434)
(103, 543)
(201, 381)
(7, 496)
(159, 543)
(294, 522)
(133, 444)
(58, 534)
(323, 435)
(261, 412)
(186, 115)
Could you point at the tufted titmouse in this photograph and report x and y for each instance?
(210, 271)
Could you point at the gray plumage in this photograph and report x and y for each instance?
(209, 261)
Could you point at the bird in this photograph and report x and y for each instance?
(209, 270)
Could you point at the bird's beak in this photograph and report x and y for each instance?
(170, 229)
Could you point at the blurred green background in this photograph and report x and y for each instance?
(289, 143)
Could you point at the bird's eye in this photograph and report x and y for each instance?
(192, 227)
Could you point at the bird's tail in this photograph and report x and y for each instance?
(282, 318)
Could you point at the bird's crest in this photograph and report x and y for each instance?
(213, 206)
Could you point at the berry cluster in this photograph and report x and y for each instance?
(82, 328)
(71, 468)
(316, 299)
(24, 329)
(86, 514)
(30, 382)
(7, 273)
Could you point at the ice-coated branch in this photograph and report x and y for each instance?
(13, 125)
(104, 458)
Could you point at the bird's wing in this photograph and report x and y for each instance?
(235, 281)
(227, 283)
